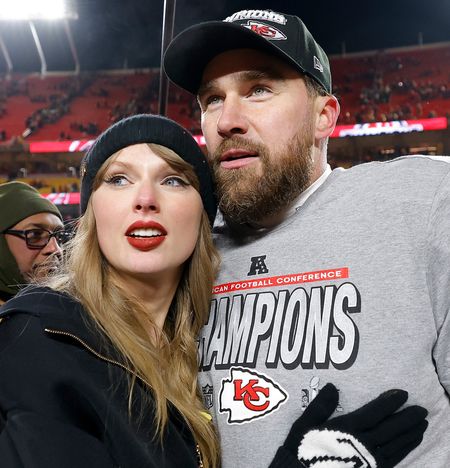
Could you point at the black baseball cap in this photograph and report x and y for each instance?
(281, 35)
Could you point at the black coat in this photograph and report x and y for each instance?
(64, 394)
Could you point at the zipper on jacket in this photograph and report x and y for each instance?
(95, 353)
(117, 363)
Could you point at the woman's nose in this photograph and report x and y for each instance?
(147, 200)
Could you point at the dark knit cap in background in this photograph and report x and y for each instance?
(148, 128)
(18, 201)
(278, 34)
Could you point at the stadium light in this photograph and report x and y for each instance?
(37, 10)
(32, 10)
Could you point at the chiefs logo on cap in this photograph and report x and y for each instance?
(247, 395)
(265, 30)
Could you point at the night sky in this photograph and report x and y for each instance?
(118, 33)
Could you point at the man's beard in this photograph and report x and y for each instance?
(252, 195)
(45, 268)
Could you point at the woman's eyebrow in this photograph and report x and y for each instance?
(123, 166)
(120, 163)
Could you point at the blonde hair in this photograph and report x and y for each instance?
(169, 368)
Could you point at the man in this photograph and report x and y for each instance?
(31, 231)
(328, 276)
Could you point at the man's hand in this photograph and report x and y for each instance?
(375, 435)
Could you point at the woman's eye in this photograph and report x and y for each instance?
(116, 180)
(174, 181)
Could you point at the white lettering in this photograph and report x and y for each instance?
(343, 347)
(257, 14)
(239, 327)
(263, 318)
(318, 327)
(294, 328)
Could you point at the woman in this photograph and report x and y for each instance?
(99, 363)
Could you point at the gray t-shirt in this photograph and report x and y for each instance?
(354, 289)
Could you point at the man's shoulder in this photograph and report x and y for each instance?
(414, 164)
(415, 174)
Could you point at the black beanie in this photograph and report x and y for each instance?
(147, 128)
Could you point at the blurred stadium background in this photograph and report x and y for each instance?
(64, 80)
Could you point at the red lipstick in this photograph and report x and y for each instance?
(145, 235)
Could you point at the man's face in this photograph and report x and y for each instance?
(257, 119)
(29, 260)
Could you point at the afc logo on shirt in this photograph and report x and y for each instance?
(258, 266)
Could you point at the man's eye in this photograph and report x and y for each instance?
(175, 181)
(259, 91)
(212, 100)
(116, 180)
(36, 234)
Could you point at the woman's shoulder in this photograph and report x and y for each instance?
(46, 320)
(36, 301)
(28, 314)
(42, 333)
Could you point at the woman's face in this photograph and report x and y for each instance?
(147, 215)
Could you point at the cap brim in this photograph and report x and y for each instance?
(190, 52)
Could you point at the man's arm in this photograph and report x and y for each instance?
(438, 277)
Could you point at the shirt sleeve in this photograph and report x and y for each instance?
(438, 277)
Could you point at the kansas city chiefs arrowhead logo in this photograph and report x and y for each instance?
(247, 395)
(265, 30)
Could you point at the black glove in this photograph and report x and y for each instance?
(374, 435)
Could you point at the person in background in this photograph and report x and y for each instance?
(327, 276)
(31, 235)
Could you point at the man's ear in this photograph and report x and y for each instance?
(327, 112)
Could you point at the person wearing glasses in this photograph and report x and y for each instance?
(31, 234)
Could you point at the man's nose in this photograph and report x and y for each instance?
(52, 247)
(232, 119)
